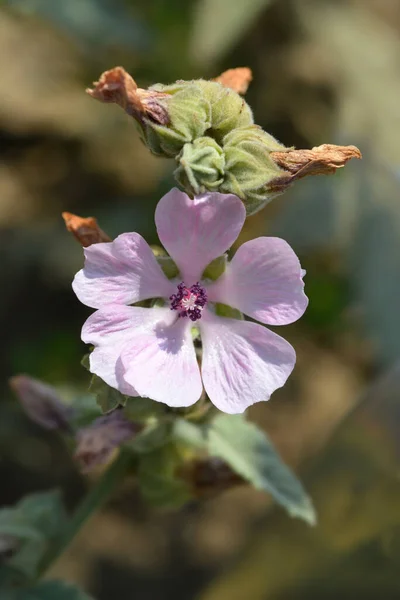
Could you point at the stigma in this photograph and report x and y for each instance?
(189, 302)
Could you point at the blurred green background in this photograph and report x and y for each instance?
(324, 72)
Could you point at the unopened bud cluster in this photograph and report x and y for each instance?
(212, 135)
(207, 127)
(210, 131)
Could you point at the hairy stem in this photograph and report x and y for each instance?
(95, 498)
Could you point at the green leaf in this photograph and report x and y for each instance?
(33, 518)
(158, 478)
(49, 590)
(155, 435)
(249, 452)
(141, 409)
(85, 410)
(32, 523)
(45, 510)
(107, 397)
(189, 434)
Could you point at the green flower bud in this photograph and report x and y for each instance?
(201, 166)
(209, 128)
(168, 115)
(228, 110)
(249, 168)
(189, 117)
(241, 166)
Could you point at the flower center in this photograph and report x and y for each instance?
(189, 302)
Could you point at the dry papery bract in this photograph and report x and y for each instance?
(85, 230)
(321, 160)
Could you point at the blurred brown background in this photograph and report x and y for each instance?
(324, 71)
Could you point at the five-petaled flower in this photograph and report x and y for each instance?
(150, 351)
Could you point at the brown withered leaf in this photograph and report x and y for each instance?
(117, 86)
(237, 79)
(85, 230)
(321, 160)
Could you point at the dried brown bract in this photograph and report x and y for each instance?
(237, 79)
(85, 230)
(117, 86)
(209, 476)
(321, 160)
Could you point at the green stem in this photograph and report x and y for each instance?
(95, 498)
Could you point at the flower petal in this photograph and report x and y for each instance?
(123, 271)
(263, 280)
(243, 362)
(109, 329)
(161, 363)
(194, 232)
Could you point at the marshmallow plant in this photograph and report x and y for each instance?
(178, 343)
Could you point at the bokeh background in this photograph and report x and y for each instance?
(324, 72)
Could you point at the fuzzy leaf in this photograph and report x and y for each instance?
(249, 452)
(189, 434)
(32, 523)
(158, 479)
(107, 397)
(33, 518)
(141, 409)
(155, 435)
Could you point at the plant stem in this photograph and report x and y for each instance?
(95, 498)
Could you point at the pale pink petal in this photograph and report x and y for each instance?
(264, 281)
(161, 363)
(243, 362)
(123, 271)
(109, 329)
(104, 362)
(194, 232)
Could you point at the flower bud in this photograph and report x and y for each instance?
(189, 117)
(241, 166)
(168, 115)
(42, 403)
(96, 443)
(228, 110)
(248, 166)
(201, 166)
(209, 128)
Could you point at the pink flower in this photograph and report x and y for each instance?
(150, 351)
